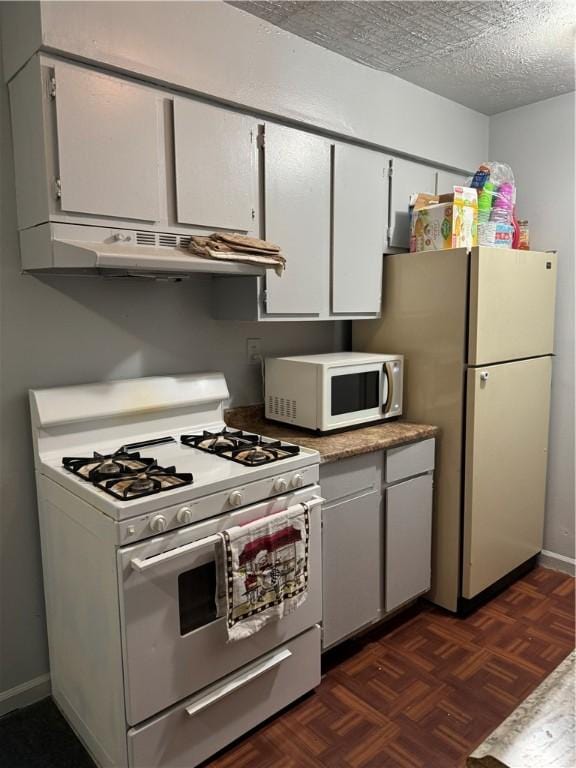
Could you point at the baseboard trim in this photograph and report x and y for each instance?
(557, 562)
(24, 694)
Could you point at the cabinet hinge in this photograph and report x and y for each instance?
(58, 188)
(52, 87)
(390, 170)
(389, 234)
(265, 299)
(261, 140)
(253, 214)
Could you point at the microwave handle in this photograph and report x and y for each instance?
(250, 674)
(385, 387)
(142, 565)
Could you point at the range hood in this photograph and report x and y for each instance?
(81, 249)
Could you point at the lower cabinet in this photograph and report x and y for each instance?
(376, 536)
(408, 549)
(351, 565)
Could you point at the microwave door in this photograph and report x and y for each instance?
(353, 396)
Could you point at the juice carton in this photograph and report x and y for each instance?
(444, 221)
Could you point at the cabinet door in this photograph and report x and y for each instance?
(445, 180)
(297, 204)
(216, 170)
(360, 205)
(107, 134)
(351, 565)
(407, 560)
(506, 459)
(407, 177)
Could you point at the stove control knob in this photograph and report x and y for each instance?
(184, 515)
(235, 499)
(298, 481)
(158, 523)
(280, 485)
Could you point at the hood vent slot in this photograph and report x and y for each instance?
(162, 240)
(168, 241)
(145, 238)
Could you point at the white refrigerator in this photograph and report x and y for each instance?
(476, 330)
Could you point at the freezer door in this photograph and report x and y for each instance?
(506, 457)
(511, 304)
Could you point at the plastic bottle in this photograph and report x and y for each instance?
(516, 227)
(485, 202)
(502, 215)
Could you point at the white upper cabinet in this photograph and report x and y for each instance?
(360, 214)
(445, 180)
(297, 212)
(407, 177)
(108, 145)
(216, 167)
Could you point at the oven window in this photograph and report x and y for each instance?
(197, 597)
(355, 392)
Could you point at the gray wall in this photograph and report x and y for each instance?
(538, 142)
(72, 330)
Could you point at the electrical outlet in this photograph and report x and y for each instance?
(254, 350)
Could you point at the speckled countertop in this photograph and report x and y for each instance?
(377, 437)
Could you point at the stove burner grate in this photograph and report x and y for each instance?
(101, 466)
(249, 450)
(263, 452)
(152, 479)
(217, 442)
(125, 474)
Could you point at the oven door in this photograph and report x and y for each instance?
(352, 394)
(174, 640)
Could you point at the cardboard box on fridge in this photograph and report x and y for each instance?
(444, 221)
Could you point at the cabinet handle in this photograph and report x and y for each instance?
(484, 376)
(253, 672)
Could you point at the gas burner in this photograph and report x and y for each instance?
(152, 479)
(257, 455)
(244, 448)
(263, 452)
(100, 466)
(216, 442)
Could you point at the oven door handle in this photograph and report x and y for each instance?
(250, 674)
(145, 564)
(142, 565)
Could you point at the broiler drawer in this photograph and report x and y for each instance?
(196, 728)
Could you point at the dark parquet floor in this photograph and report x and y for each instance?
(422, 693)
(425, 693)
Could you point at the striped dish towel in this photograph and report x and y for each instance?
(265, 569)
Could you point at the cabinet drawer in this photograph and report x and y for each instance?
(195, 729)
(409, 460)
(351, 477)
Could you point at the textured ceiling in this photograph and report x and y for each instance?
(490, 56)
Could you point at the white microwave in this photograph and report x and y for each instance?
(333, 391)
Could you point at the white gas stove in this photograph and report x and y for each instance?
(135, 478)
